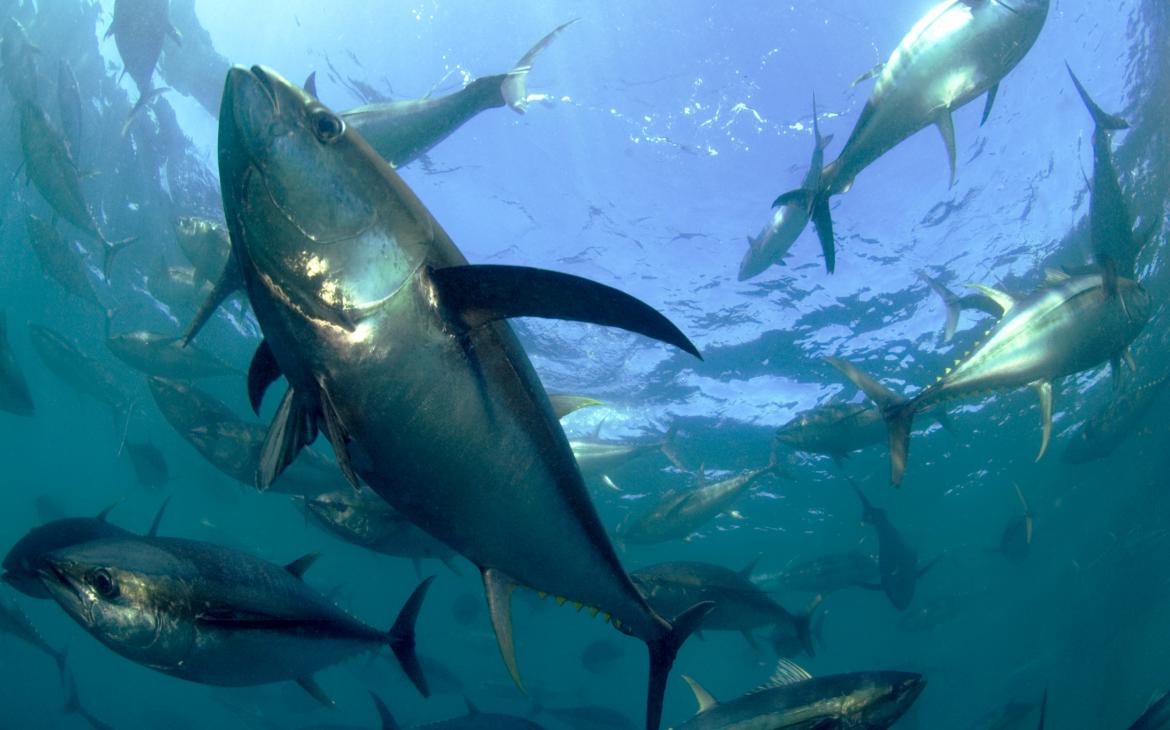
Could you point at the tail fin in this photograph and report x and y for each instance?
(669, 448)
(385, 718)
(401, 637)
(898, 413)
(514, 87)
(1101, 118)
(112, 249)
(144, 100)
(662, 655)
(950, 300)
(804, 625)
(72, 702)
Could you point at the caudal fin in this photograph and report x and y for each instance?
(1101, 118)
(804, 625)
(401, 637)
(898, 413)
(112, 249)
(662, 655)
(950, 300)
(514, 87)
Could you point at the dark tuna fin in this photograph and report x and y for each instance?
(310, 685)
(1101, 118)
(991, 94)
(401, 637)
(950, 300)
(153, 531)
(310, 86)
(479, 294)
(662, 655)
(386, 720)
(926, 568)
(292, 429)
(804, 625)
(870, 74)
(338, 435)
(750, 638)
(823, 221)
(230, 281)
(1043, 709)
(262, 372)
(111, 251)
(1044, 390)
(144, 100)
(72, 701)
(897, 411)
(173, 32)
(747, 570)
(514, 88)
(498, 589)
(298, 567)
(946, 127)
(471, 708)
(104, 515)
(59, 658)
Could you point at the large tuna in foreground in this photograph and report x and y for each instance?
(393, 346)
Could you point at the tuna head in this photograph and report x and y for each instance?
(881, 698)
(26, 559)
(128, 593)
(299, 192)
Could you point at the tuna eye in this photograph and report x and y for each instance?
(104, 584)
(327, 126)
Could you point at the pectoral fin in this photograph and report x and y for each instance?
(478, 294)
(990, 103)
(229, 282)
(1005, 301)
(564, 404)
(292, 429)
(946, 127)
(338, 435)
(1044, 390)
(870, 74)
(498, 588)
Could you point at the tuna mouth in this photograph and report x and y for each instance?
(265, 82)
(910, 688)
(60, 584)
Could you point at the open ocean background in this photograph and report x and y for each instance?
(661, 134)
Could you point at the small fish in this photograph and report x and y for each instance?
(473, 720)
(1069, 325)
(15, 397)
(790, 217)
(827, 573)
(150, 466)
(678, 514)
(740, 605)
(600, 655)
(365, 519)
(14, 623)
(1016, 542)
(166, 357)
(897, 561)
(794, 700)
(88, 376)
(140, 28)
(402, 131)
(215, 615)
(61, 261)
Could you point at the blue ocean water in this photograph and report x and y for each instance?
(655, 140)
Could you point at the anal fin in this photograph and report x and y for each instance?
(1044, 390)
(310, 685)
(498, 588)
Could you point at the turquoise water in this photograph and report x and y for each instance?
(654, 143)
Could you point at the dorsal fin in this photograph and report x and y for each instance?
(787, 672)
(750, 568)
(101, 516)
(153, 531)
(298, 567)
(563, 404)
(702, 696)
(1003, 299)
(471, 709)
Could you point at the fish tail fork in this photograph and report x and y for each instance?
(897, 411)
(400, 637)
(662, 655)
